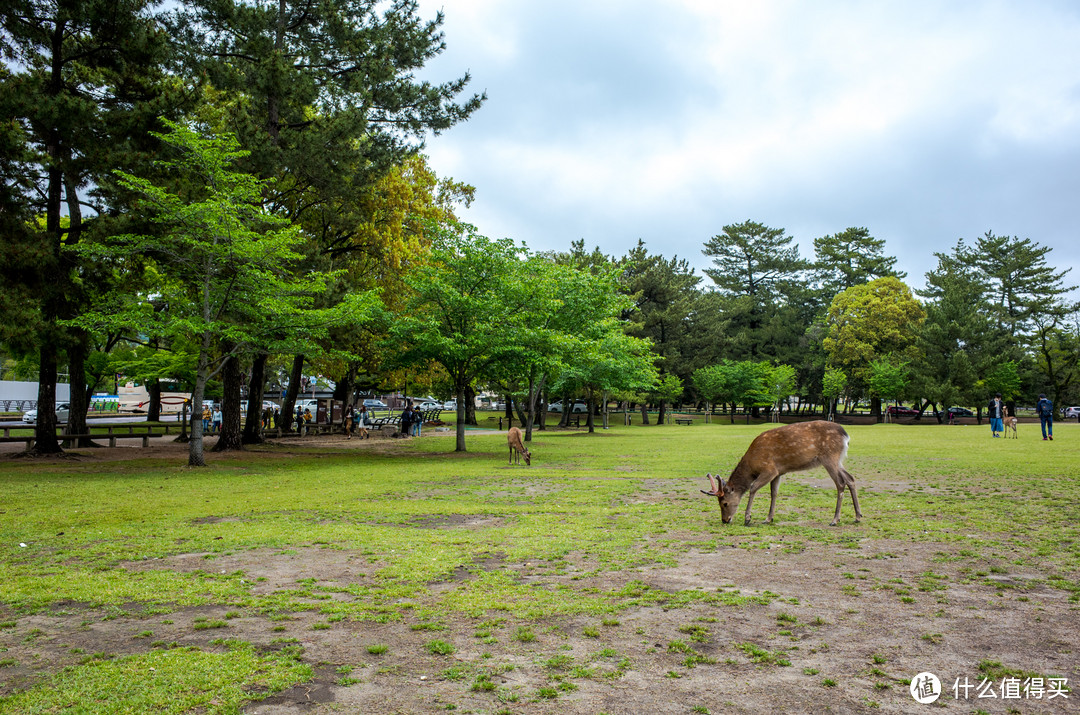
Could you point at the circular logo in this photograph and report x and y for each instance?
(925, 688)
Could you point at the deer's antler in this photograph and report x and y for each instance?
(717, 488)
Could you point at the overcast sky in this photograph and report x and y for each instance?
(617, 120)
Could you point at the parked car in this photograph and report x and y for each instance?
(308, 404)
(63, 411)
(579, 406)
(450, 405)
(1071, 412)
(958, 412)
(375, 404)
(901, 411)
(428, 405)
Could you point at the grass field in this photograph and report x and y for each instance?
(397, 576)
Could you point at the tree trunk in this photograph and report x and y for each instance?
(644, 413)
(288, 405)
(153, 409)
(196, 457)
(79, 402)
(591, 409)
(470, 407)
(45, 441)
(346, 384)
(461, 392)
(231, 437)
(662, 415)
(256, 389)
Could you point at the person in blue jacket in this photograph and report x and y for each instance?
(1045, 409)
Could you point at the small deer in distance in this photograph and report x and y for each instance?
(517, 447)
(1010, 425)
(776, 452)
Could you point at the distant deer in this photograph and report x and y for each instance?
(776, 452)
(517, 447)
(1010, 424)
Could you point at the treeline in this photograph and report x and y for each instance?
(235, 195)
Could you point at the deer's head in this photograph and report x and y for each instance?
(725, 496)
(528, 457)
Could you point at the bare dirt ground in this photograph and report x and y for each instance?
(839, 619)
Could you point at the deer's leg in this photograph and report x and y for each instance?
(851, 488)
(758, 483)
(774, 489)
(836, 471)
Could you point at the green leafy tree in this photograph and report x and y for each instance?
(86, 80)
(224, 262)
(329, 100)
(959, 341)
(1022, 285)
(779, 385)
(758, 275)
(870, 321)
(851, 257)
(665, 295)
(464, 310)
(833, 385)
(888, 379)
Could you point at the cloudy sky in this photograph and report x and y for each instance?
(618, 120)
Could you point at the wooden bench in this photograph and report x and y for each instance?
(111, 434)
(684, 420)
(573, 419)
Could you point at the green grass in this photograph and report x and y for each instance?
(577, 510)
(166, 681)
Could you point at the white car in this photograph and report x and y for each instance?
(579, 406)
(450, 405)
(429, 405)
(1071, 412)
(63, 411)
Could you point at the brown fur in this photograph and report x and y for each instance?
(776, 452)
(517, 447)
(1010, 424)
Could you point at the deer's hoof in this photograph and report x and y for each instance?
(834, 523)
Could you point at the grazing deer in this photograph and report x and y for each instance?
(517, 447)
(1010, 424)
(776, 452)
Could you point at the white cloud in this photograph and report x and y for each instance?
(617, 120)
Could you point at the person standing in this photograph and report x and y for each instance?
(217, 419)
(1045, 409)
(206, 419)
(996, 412)
(349, 422)
(406, 420)
(362, 420)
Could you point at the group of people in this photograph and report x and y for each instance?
(1044, 408)
(357, 421)
(211, 418)
(411, 421)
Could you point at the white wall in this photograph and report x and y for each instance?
(13, 390)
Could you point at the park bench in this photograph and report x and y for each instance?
(684, 420)
(574, 420)
(380, 422)
(112, 434)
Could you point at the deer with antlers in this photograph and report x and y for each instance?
(517, 447)
(776, 452)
